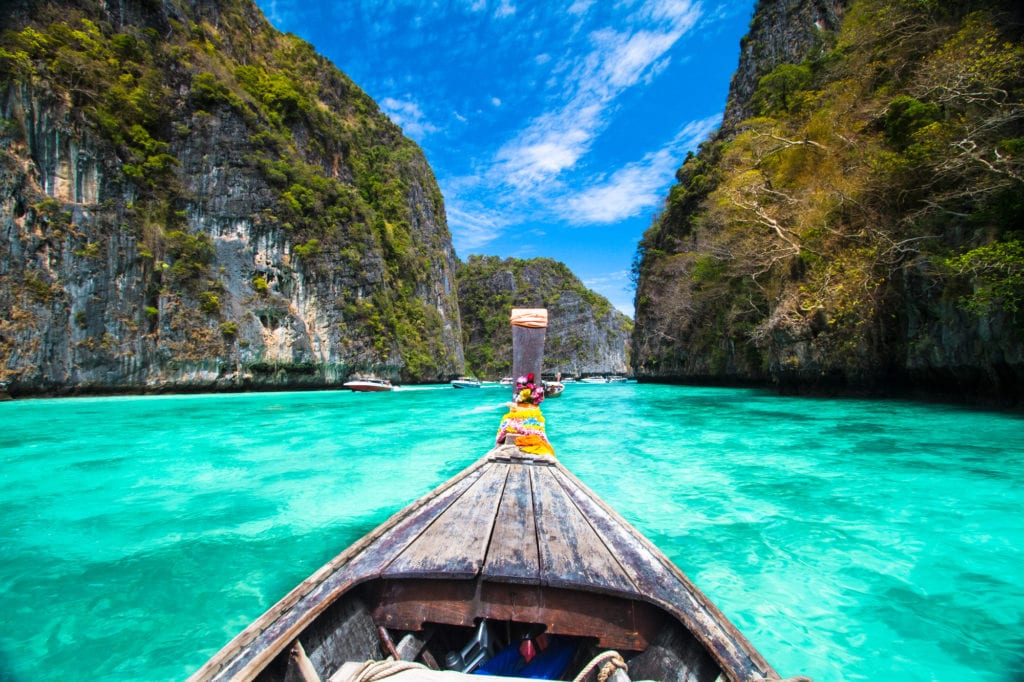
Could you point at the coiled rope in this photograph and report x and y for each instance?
(610, 661)
(373, 671)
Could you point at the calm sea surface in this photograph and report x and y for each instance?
(849, 540)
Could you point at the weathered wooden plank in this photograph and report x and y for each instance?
(410, 646)
(661, 582)
(571, 553)
(512, 554)
(617, 623)
(270, 633)
(454, 545)
(527, 351)
(408, 529)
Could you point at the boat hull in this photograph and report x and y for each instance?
(362, 386)
(518, 541)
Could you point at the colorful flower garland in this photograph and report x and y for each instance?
(524, 420)
(528, 390)
(526, 424)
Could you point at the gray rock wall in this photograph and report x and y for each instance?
(91, 295)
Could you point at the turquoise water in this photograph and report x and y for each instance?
(849, 540)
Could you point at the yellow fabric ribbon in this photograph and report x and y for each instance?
(527, 425)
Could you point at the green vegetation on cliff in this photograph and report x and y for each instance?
(166, 100)
(866, 226)
(585, 333)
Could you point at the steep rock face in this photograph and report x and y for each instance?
(681, 333)
(585, 335)
(781, 32)
(190, 199)
(854, 227)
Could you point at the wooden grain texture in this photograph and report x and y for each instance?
(661, 582)
(527, 351)
(571, 553)
(512, 554)
(525, 527)
(268, 635)
(616, 623)
(455, 543)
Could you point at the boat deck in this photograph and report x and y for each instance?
(525, 520)
(521, 520)
(517, 537)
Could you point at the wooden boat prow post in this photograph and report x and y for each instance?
(512, 550)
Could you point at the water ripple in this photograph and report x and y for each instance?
(849, 540)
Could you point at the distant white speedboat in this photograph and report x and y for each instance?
(594, 380)
(368, 385)
(465, 382)
(616, 379)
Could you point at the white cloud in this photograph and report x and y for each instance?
(526, 163)
(636, 186)
(496, 102)
(628, 56)
(409, 116)
(472, 229)
(616, 287)
(629, 191)
(695, 132)
(505, 9)
(554, 141)
(580, 7)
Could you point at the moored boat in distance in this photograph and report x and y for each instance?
(553, 389)
(616, 379)
(594, 380)
(512, 569)
(368, 385)
(466, 382)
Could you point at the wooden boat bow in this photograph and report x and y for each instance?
(533, 544)
(513, 539)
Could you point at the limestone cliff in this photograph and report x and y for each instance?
(855, 225)
(586, 335)
(190, 199)
(780, 33)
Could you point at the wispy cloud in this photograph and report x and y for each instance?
(505, 9)
(409, 116)
(554, 141)
(530, 175)
(636, 186)
(580, 6)
(616, 287)
(472, 228)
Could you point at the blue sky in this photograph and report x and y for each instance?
(554, 128)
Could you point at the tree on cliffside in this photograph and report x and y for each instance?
(263, 221)
(869, 210)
